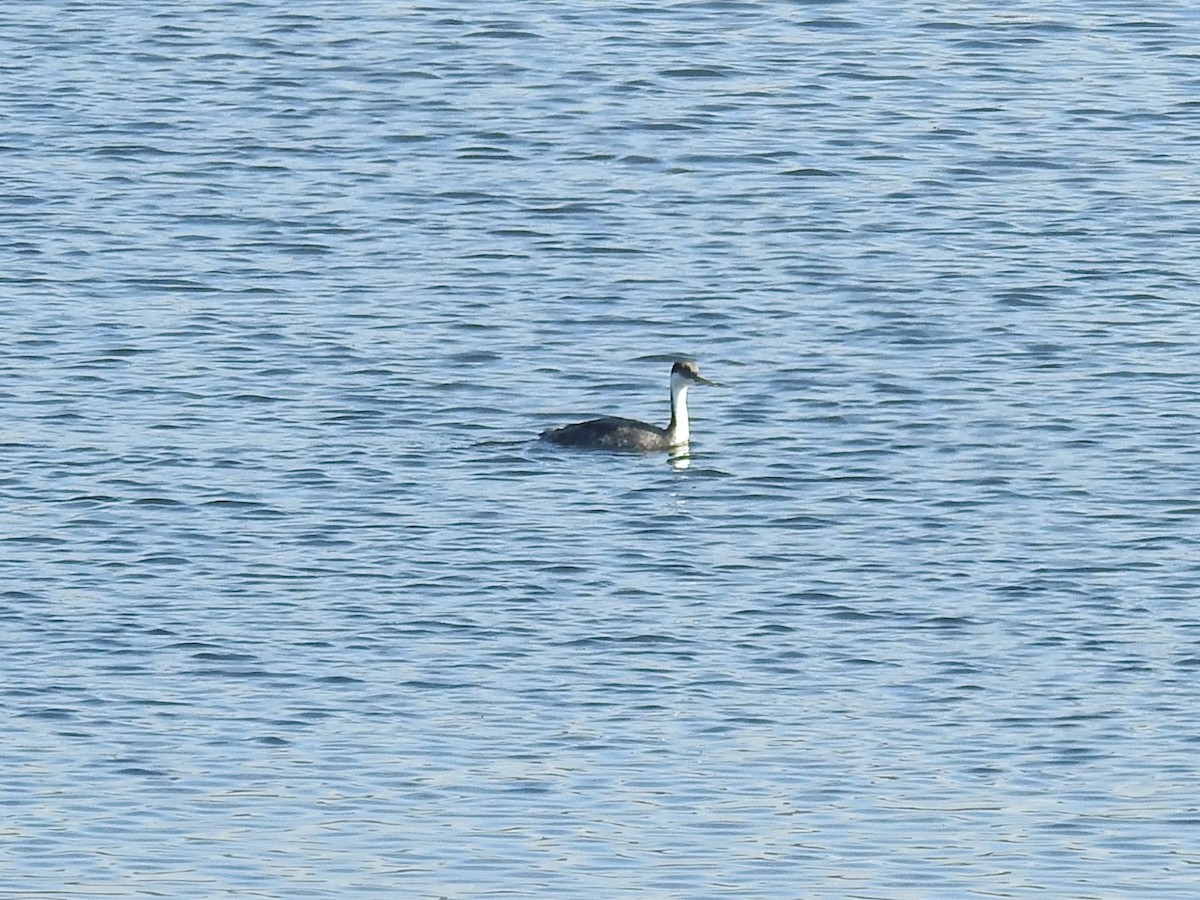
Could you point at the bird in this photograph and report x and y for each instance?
(615, 433)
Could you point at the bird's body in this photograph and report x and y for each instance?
(615, 433)
(611, 433)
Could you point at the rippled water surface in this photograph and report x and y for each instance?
(294, 605)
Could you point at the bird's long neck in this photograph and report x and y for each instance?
(678, 431)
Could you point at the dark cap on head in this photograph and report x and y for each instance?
(689, 370)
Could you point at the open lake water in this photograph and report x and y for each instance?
(295, 605)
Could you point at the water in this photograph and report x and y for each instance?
(294, 606)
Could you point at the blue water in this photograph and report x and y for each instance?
(294, 605)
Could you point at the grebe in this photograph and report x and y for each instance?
(613, 433)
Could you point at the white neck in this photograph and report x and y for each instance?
(678, 432)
